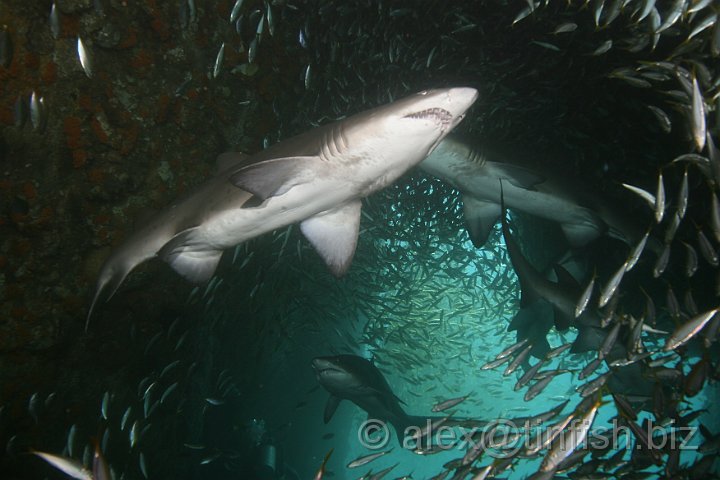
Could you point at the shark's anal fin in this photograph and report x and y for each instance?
(334, 235)
(330, 407)
(480, 217)
(195, 265)
(274, 177)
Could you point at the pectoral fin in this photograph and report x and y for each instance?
(334, 235)
(480, 217)
(196, 265)
(275, 177)
(330, 407)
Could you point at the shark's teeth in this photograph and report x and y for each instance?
(439, 114)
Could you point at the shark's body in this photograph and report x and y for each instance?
(475, 170)
(317, 178)
(533, 323)
(353, 378)
(348, 377)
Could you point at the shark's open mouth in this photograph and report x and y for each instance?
(440, 115)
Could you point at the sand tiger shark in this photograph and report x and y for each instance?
(474, 169)
(356, 379)
(317, 178)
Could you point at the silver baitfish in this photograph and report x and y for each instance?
(54, 21)
(217, 69)
(85, 57)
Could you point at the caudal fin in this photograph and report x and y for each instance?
(111, 276)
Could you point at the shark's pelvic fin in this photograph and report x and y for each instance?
(274, 177)
(194, 264)
(582, 233)
(480, 217)
(330, 407)
(520, 177)
(334, 235)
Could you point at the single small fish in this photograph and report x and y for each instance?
(442, 406)
(662, 261)
(660, 199)
(672, 228)
(34, 407)
(512, 348)
(518, 360)
(707, 22)
(55, 21)
(596, 384)
(68, 466)
(572, 437)
(168, 391)
(215, 401)
(321, 470)
(270, 19)
(612, 285)
(105, 405)
(36, 113)
(143, 465)
(125, 417)
(647, 196)
(697, 5)
(584, 299)
(328, 436)
(688, 330)
(236, 10)
(307, 76)
(624, 407)
(134, 433)
(637, 251)
(565, 28)
(537, 388)
(364, 460)
(673, 16)
(557, 350)
(698, 116)
(603, 48)
(662, 118)
(71, 440)
(547, 45)
(169, 367)
(85, 58)
(217, 69)
(528, 375)
(609, 341)
(252, 50)
(707, 250)
(210, 458)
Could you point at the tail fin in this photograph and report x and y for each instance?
(111, 276)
